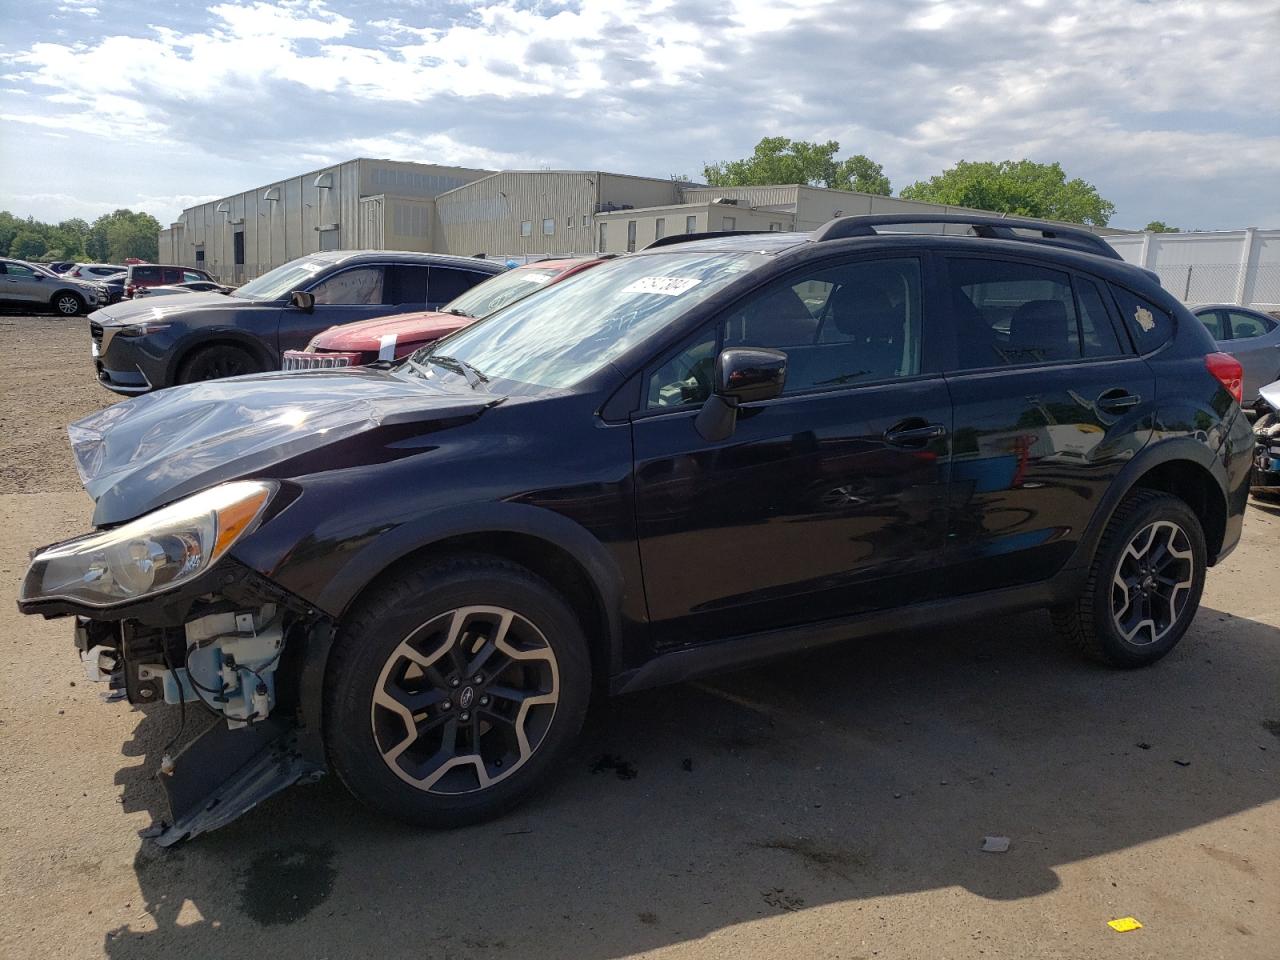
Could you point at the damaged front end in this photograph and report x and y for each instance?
(163, 615)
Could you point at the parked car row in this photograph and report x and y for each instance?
(725, 447)
(25, 284)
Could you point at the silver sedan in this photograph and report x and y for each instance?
(1251, 336)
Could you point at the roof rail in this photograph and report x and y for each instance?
(991, 227)
(710, 235)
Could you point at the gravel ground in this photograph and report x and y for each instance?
(828, 806)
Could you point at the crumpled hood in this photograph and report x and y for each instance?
(407, 328)
(142, 453)
(135, 311)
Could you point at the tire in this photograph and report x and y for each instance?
(67, 303)
(217, 362)
(1144, 585)
(388, 715)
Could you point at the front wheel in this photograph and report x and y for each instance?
(454, 690)
(1144, 586)
(217, 362)
(68, 304)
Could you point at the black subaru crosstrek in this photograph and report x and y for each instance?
(719, 449)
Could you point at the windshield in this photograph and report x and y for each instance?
(280, 282)
(575, 327)
(485, 298)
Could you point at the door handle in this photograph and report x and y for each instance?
(1118, 399)
(904, 436)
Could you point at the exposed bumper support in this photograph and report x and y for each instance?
(224, 773)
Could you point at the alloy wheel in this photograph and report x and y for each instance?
(1152, 582)
(68, 305)
(465, 700)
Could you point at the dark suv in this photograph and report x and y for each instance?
(720, 449)
(144, 344)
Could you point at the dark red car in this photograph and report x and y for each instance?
(141, 275)
(395, 337)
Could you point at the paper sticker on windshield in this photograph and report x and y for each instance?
(535, 277)
(1145, 319)
(667, 286)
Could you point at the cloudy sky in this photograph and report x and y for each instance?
(1172, 109)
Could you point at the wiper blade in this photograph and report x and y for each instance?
(460, 313)
(469, 373)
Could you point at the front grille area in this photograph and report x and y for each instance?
(300, 360)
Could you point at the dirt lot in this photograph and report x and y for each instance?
(832, 805)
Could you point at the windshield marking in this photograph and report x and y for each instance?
(667, 286)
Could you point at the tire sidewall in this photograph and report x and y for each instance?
(1115, 646)
(374, 636)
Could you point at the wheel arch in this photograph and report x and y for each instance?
(1182, 466)
(186, 349)
(53, 297)
(553, 547)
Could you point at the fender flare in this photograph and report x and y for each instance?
(601, 569)
(1162, 451)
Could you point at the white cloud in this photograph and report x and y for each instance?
(1114, 89)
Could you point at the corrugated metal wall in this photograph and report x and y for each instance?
(282, 229)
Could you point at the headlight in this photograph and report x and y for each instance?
(142, 329)
(149, 555)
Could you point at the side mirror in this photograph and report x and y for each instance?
(751, 373)
(306, 302)
(743, 375)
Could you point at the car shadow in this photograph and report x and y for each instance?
(868, 769)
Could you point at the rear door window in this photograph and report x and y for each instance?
(1007, 313)
(1245, 326)
(1098, 336)
(172, 275)
(406, 283)
(1149, 325)
(190, 276)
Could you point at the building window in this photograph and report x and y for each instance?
(659, 228)
(603, 227)
(586, 221)
(728, 223)
(548, 227)
(775, 227)
(526, 228)
(568, 223)
(631, 236)
(690, 224)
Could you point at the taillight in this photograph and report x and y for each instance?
(1227, 371)
(128, 290)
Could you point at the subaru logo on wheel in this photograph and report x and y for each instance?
(468, 695)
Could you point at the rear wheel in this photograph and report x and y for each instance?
(217, 362)
(67, 304)
(454, 690)
(1145, 584)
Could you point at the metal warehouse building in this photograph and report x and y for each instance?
(525, 215)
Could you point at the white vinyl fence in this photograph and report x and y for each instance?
(1220, 266)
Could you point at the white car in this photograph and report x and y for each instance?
(195, 286)
(25, 284)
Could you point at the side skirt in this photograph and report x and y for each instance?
(689, 662)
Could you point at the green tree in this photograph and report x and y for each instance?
(1019, 187)
(1159, 226)
(116, 236)
(27, 245)
(782, 160)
